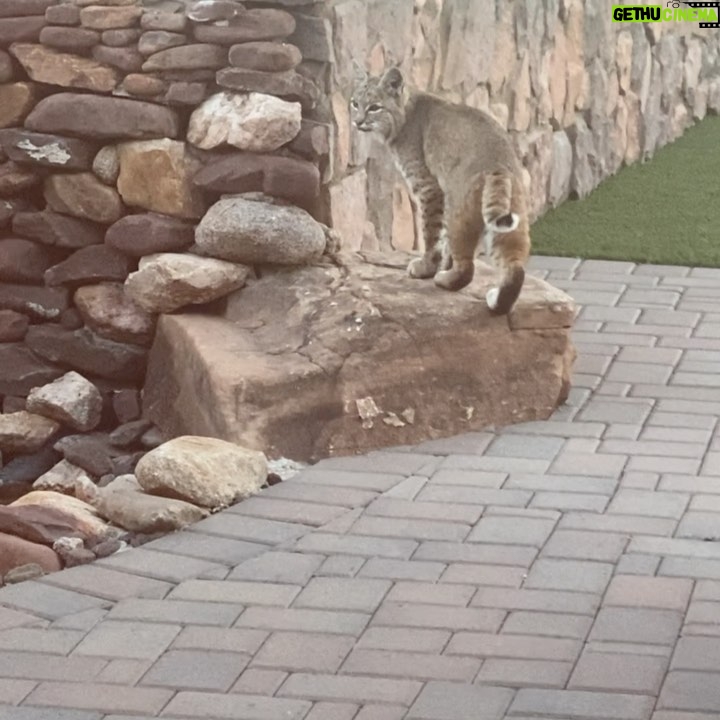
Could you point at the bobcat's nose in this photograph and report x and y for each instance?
(362, 126)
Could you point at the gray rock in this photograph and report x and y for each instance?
(250, 231)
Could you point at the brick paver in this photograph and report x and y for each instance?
(566, 569)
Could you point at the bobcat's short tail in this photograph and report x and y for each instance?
(496, 203)
(500, 300)
(500, 220)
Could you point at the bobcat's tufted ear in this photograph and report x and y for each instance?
(392, 80)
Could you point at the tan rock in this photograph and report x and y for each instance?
(623, 59)
(285, 366)
(127, 506)
(82, 195)
(341, 113)
(16, 102)
(205, 471)
(348, 208)
(403, 227)
(71, 400)
(168, 281)
(521, 112)
(84, 516)
(25, 432)
(61, 478)
(157, 175)
(557, 76)
(198, 56)
(97, 17)
(52, 67)
(112, 314)
(249, 121)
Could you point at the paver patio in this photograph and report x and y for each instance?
(565, 569)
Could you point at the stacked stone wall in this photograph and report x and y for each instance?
(581, 95)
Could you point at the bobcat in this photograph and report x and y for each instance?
(464, 178)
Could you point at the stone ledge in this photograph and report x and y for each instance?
(320, 361)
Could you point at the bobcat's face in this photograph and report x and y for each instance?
(377, 104)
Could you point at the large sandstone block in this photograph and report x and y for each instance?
(321, 361)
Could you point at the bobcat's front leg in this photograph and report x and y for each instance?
(429, 206)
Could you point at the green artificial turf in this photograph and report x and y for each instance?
(664, 211)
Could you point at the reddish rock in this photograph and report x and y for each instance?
(16, 179)
(55, 229)
(143, 85)
(38, 524)
(24, 261)
(286, 84)
(266, 56)
(13, 326)
(16, 102)
(63, 14)
(102, 117)
(6, 67)
(82, 195)
(126, 405)
(186, 93)
(15, 551)
(150, 233)
(201, 56)
(66, 70)
(24, 8)
(125, 58)
(160, 20)
(69, 38)
(154, 41)
(109, 311)
(20, 29)
(109, 18)
(261, 24)
(89, 265)
(120, 38)
(283, 177)
(46, 150)
(38, 302)
(13, 403)
(86, 352)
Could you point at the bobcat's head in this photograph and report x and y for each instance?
(377, 103)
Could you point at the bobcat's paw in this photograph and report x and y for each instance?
(491, 297)
(422, 268)
(454, 279)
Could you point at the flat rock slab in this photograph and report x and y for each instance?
(321, 361)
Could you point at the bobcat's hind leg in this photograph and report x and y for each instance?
(463, 235)
(429, 217)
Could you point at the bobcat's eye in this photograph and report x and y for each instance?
(374, 108)
(354, 104)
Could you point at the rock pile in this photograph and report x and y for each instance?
(89, 504)
(123, 127)
(120, 127)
